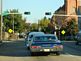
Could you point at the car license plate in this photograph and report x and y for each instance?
(46, 50)
(56, 47)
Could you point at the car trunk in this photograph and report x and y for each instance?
(46, 44)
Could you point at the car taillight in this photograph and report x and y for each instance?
(59, 46)
(35, 46)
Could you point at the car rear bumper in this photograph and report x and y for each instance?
(46, 49)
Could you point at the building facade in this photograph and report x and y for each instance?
(73, 7)
(79, 18)
(70, 8)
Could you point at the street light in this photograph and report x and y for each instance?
(48, 14)
(27, 13)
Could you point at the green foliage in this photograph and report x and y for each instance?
(34, 27)
(43, 23)
(19, 23)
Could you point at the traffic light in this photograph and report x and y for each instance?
(27, 13)
(48, 13)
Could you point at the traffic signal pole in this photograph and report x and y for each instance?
(1, 20)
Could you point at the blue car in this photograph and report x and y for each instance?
(45, 43)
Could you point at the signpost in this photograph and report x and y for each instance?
(63, 32)
(10, 30)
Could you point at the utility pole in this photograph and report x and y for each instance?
(13, 23)
(1, 19)
(76, 6)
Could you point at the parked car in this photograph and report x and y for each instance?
(22, 35)
(45, 43)
(30, 36)
(78, 38)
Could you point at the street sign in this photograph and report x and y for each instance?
(63, 32)
(5, 13)
(10, 30)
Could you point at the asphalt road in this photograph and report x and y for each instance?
(16, 51)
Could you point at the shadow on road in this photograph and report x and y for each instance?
(14, 48)
(18, 49)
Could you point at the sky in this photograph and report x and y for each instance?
(36, 7)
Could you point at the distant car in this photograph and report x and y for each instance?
(30, 36)
(78, 38)
(22, 35)
(45, 43)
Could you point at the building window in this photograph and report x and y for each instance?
(79, 2)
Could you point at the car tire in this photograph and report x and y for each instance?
(28, 48)
(33, 53)
(57, 53)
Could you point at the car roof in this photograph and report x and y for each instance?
(49, 35)
(45, 35)
(36, 33)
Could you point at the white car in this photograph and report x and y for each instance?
(30, 36)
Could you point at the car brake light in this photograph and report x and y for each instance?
(35, 47)
(59, 46)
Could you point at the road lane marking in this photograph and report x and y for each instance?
(69, 55)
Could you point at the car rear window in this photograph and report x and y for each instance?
(45, 38)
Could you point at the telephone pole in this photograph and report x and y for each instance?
(1, 19)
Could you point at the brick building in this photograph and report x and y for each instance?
(70, 7)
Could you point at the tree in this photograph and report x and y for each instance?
(34, 27)
(19, 23)
(43, 23)
(72, 26)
